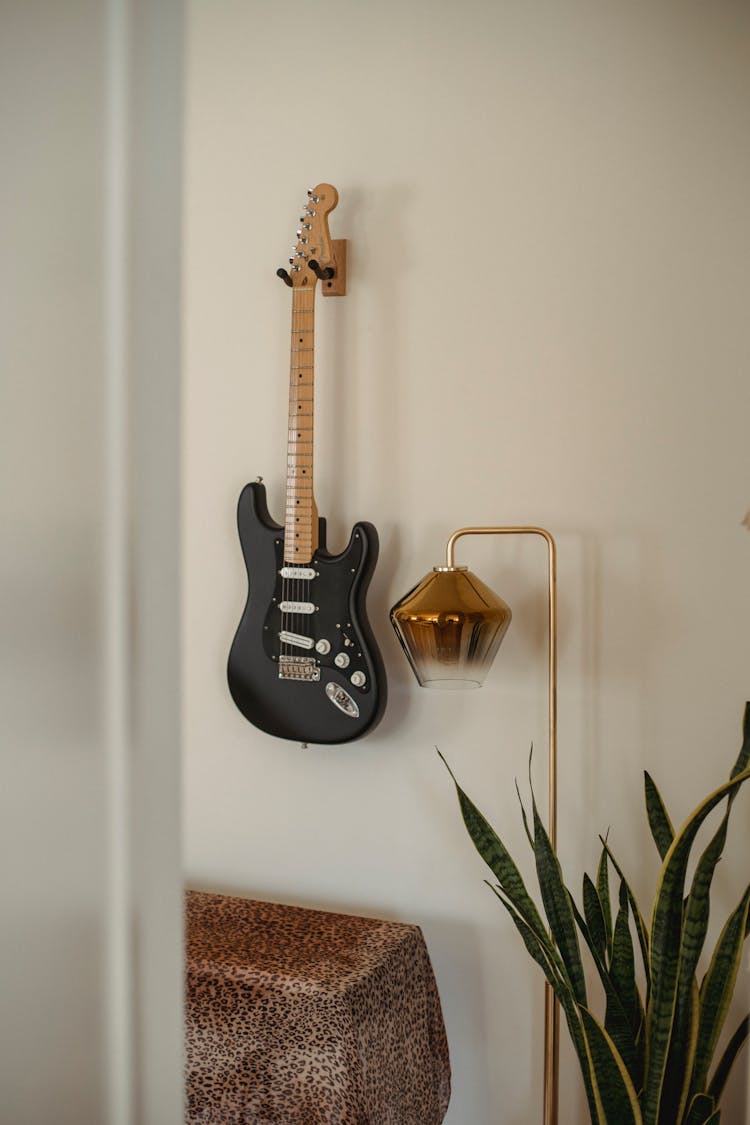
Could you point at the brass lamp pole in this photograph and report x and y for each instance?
(450, 626)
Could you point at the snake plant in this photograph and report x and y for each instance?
(650, 1061)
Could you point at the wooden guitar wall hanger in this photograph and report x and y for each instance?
(304, 664)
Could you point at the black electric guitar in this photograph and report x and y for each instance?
(304, 664)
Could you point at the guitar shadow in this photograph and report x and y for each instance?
(364, 361)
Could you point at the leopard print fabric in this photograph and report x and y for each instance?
(299, 1017)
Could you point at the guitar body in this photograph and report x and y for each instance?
(329, 704)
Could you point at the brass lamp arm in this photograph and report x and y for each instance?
(551, 1007)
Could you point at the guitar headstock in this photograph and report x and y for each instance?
(313, 238)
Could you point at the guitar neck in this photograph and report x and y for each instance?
(301, 528)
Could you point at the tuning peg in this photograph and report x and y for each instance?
(321, 274)
(284, 276)
(313, 198)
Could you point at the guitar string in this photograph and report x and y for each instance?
(296, 590)
(298, 584)
(296, 587)
(298, 402)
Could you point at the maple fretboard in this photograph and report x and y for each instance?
(301, 527)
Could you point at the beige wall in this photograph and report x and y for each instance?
(546, 322)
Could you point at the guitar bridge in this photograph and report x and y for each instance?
(299, 668)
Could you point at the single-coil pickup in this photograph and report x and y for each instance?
(298, 668)
(302, 573)
(297, 639)
(296, 607)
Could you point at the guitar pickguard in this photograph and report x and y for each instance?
(326, 637)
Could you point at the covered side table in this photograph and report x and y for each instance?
(300, 1017)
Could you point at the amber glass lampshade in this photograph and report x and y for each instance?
(450, 626)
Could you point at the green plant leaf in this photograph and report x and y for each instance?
(622, 967)
(557, 905)
(697, 907)
(694, 929)
(498, 859)
(680, 1061)
(554, 971)
(526, 829)
(616, 1092)
(617, 1023)
(743, 758)
(658, 817)
(666, 936)
(692, 1046)
(602, 889)
(726, 1062)
(717, 988)
(701, 1110)
(594, 915)
(640, 925)
(622, 973)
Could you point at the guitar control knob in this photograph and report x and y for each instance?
(341, 660)
(323, 646)
(359, 679)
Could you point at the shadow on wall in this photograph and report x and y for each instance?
(370, 273)
(377, 449)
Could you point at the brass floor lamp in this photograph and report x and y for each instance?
(450, 626)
